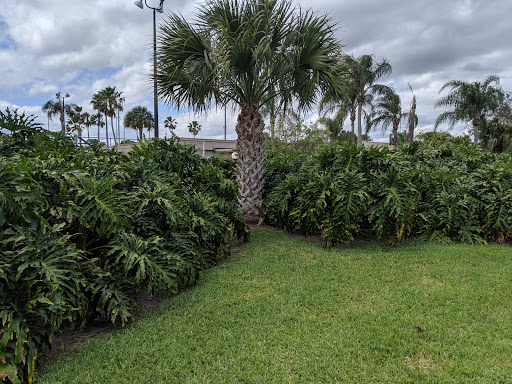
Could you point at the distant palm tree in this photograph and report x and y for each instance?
(107, 101)
(170, 124)
(363, 72)
(387, 112)
(194, 128)
(97, 119)
(75, 121)
(248, 53)
(334, 124)
(119, 108)
(87, 121)
(470, 102)
(51, 109)
(138, 118)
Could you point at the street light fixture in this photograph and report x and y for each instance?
(159, 9)
(63, 114)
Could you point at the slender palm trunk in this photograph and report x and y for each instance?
(106, 128)
(476, 126)
(353, 119)
(412, 120)
(395, 133)
(113, 130)
(250, 171)
(359, 128)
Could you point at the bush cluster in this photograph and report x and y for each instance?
(83, 230)
(453, 193)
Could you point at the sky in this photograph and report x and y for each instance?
(80, 47)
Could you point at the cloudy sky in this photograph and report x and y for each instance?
(80, 47)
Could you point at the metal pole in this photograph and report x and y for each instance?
(154, 75)
(63, 126)
(225, 125)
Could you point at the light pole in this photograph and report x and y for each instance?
(159, 9)
(63, 113)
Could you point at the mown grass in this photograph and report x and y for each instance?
(285, 310)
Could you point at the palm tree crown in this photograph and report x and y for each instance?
(139, 117)
(107, 101)
(364, 72)
(249, 53)
(469, 102)
(387, 112)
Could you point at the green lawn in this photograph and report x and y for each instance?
(285, 310)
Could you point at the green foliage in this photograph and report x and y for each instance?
(440, 190)
(496, 135)
(82, 230)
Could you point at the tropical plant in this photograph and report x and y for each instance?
(412, 118)
(472, 102)
(107, 102)
(386, 112)
(87, 122)
(75, 121)
(139, 117)
(171, 124)
(363, 72)
(194, 127)
(97, 119)
(50, 109)
(334, 124)
(82, 230)
(248, 53)
(496, 135)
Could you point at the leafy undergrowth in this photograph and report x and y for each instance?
(286, 310)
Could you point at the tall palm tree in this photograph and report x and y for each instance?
(88, 122)
(412, 118)
(248, 53)
(194, 128)
(97, 119)
(363, 74)
(388, 112)
(75, 121)
(100, 104)
(50, 109)
(119, 109)
(138, 118)
(470, 102)
(107, 101)
(170, 123)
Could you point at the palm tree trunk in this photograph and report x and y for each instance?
(352, 119)
(476, 125)
(359, 130)
(106, 128)
(250, 171)
(113, 130)
(395, 134)
(412, 120)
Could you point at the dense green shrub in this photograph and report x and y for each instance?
(83, 230)
(457, 192)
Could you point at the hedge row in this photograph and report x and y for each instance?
(83, 230)
(458, 193)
